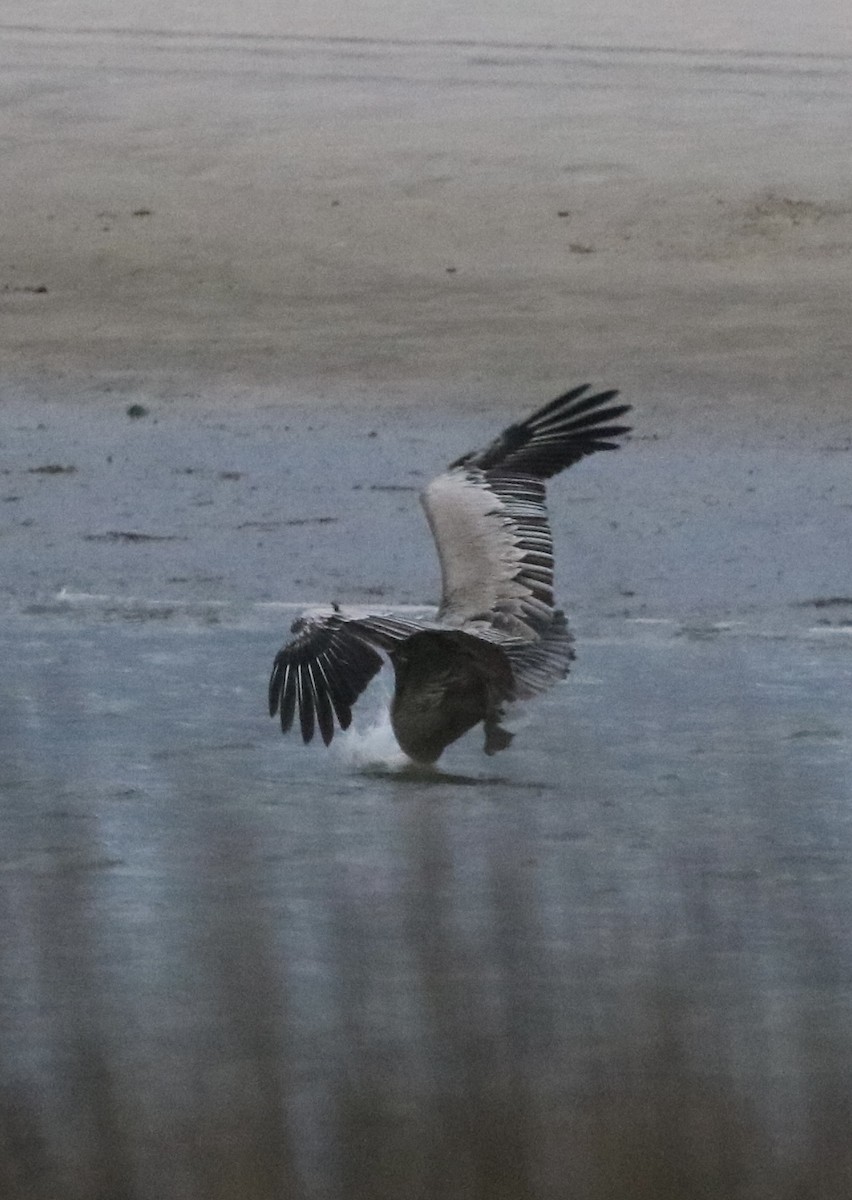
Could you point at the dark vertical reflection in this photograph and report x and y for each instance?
(230, 969)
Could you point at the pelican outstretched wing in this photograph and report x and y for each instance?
(488, 517)
(326, 667)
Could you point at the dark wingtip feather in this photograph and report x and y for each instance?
(320, 674)
(569, 397)
(325, 716)
(339, 694)
(555, 436)
(275, 684)
(288, 700)
(605, 446)
(306, 706)
(572, 424)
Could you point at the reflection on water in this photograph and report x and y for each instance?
(615, 961)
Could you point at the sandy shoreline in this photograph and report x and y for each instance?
(822, 27)
(277, 247)
(309, 212)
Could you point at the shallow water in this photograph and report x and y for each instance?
(653, 881)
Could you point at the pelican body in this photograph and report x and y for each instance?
(497, 636)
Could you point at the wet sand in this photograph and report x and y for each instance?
(279, 247)
(429, 224)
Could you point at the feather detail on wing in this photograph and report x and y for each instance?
(488, 517)
(537, 666)
(325, 668)
(564, 431)
(495, 548)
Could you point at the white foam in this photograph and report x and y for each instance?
(372, 745)
(518, 717)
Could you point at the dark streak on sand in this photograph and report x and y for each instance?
(123, 535)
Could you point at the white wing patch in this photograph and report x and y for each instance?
(495, 548)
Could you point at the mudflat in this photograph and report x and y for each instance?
(318, 265)
(481, 220)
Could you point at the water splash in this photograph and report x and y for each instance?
(518, 717)
(373, 747)
(375, 753)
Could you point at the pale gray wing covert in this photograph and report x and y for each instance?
(488, 515)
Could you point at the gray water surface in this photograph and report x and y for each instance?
(647, 895)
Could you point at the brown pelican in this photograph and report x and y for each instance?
(497, 636)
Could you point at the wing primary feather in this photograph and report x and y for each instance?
(572, 423)
(324, 670)
(275, 680)
(610, 445)
(322, 703)
(288, 698)
(567, 398)
(554, 437)
(337, 692)
(557, 410)
(306, 707)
